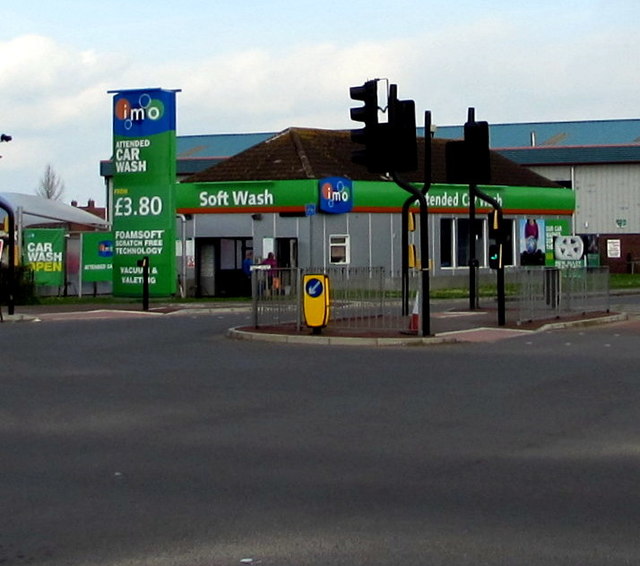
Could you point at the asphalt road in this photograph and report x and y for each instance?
(157, 441)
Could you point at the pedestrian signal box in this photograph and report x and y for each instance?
(316, 300)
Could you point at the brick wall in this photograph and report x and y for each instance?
(629, 250)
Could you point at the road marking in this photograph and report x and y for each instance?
(94, 315)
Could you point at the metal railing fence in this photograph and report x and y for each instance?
(368, 298)
(548, 292)
(360, 298)
(276, 296)
(371, 298)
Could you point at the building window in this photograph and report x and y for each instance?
(454, 242)
(446, 242)
(507, 250)
(339, 252)
(462, 252)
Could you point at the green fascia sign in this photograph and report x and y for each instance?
(44, 254)
(368, 196)
(454, 199)
(143, 197)
(246, 196)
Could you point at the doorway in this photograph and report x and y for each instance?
(219, 267)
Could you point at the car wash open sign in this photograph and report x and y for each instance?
(336, 195)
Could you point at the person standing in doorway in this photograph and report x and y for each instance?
(273, 282)
(247, 262)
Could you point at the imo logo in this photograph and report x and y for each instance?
(336, 195)
(138, 111)
(105, 248)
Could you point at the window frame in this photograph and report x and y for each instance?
(345, 242)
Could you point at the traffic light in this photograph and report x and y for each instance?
(495, 256)
(412, 257)
(411, 222)
(476, 139)
(496, 235)
(403, 145)
(468, 161)
(372, 134)
(496, 226)
(456, 162)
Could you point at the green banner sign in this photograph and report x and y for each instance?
(454, 199)
(97, 257)
(143, 200)
(246, 196)
(44, 254)
(368, 196)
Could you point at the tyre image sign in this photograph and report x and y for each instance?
(143, 193)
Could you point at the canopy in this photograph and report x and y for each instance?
(38, 210)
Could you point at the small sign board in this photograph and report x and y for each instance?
(613, 249)
(316, 300)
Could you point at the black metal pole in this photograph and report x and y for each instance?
(502, 319)
(500, 271)
(405, 255)
(145, 283)
(11, 268)
(424, 251)
(11, 271)
(473, 261)
(424, 266)
(424, 222)
(471, 117)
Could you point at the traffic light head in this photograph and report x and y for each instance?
(404, 146)
(411, 222)
(495, 256)
(371, 135)
(468, 161)
(374, 136)
(388, 145)
(476, 138)
(496, 226)
(367, 93)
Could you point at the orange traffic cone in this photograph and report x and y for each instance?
(414, 320)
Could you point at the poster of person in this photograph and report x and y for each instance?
(532, 242)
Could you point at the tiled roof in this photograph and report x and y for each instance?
(305, 153)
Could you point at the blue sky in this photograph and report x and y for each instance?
(256, 66)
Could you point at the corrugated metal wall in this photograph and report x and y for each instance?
(607, 196)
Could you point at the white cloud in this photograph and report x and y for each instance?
(57, 108)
